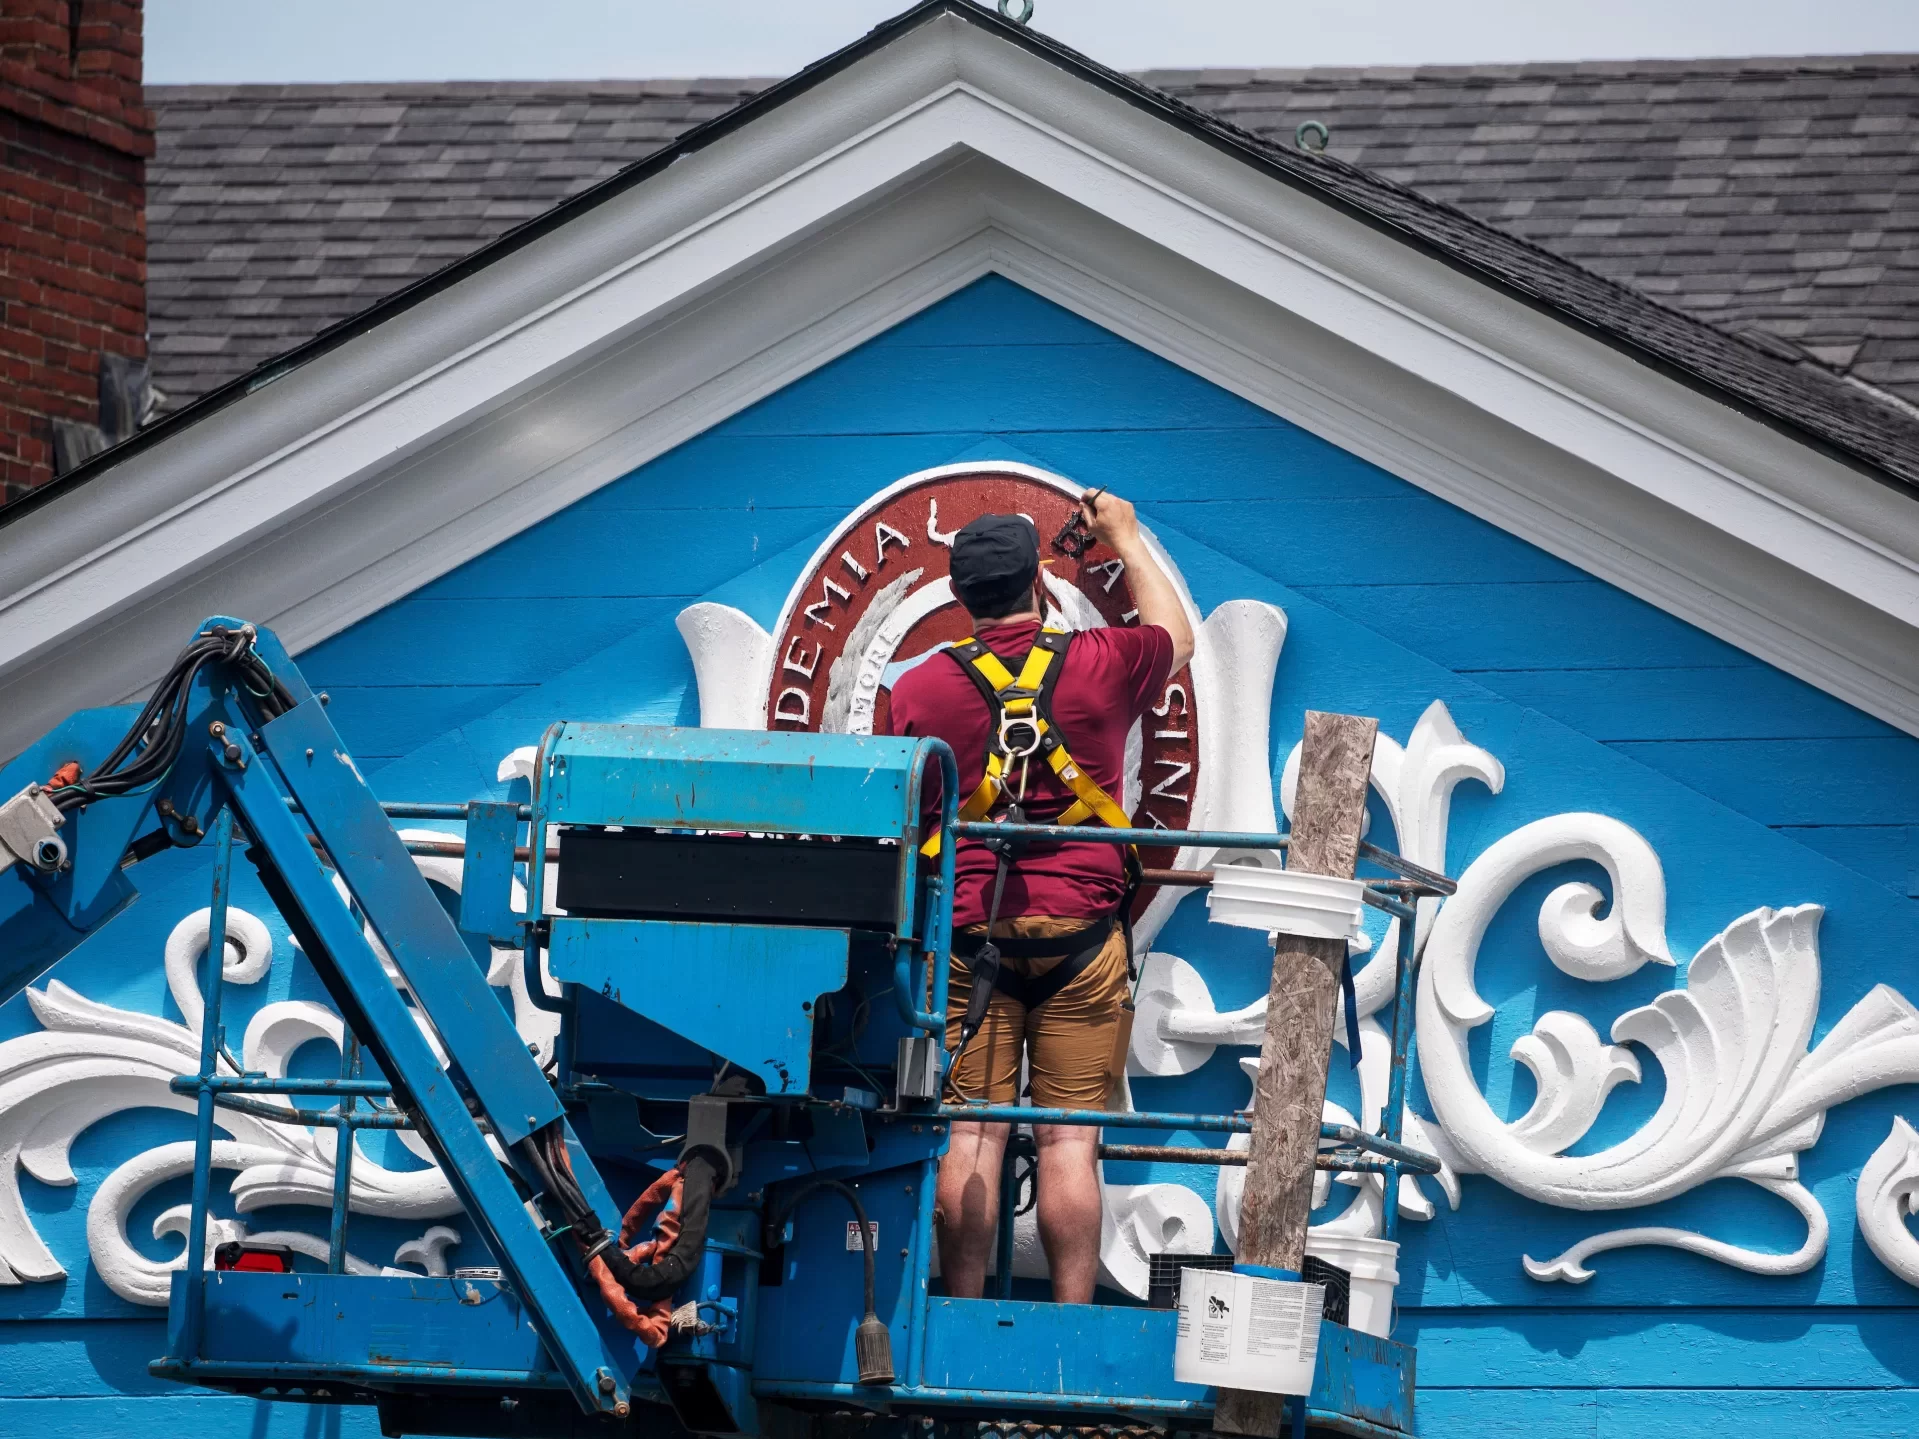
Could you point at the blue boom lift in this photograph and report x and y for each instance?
(745, 951)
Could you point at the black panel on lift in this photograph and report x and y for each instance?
(650, 874)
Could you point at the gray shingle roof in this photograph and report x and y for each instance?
(333, 233)
(274, 211)
(1778, 196)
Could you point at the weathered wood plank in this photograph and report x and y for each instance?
(1334, 768)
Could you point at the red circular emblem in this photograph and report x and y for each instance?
(878, 597)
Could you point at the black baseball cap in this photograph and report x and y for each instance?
(995, 559)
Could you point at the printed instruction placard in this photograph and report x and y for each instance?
(1239, 1331)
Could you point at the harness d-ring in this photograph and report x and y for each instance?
(1018, 742)
(1020, 12)
(1012, 742)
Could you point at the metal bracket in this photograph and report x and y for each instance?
(706, 1129)
(486, 884)
(919, 1068)
(28, 823)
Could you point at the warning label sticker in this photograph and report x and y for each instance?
(1244, 1331)
(853, 1244)
(1283, 1321)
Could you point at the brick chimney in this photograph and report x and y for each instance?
(75, 137)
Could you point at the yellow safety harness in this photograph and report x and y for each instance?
(1022, 725)
(1020, 711)
(1019, 708)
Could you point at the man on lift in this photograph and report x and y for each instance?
(1038, 721)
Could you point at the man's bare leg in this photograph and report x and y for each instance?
(967, 1206)
(1069, 1207)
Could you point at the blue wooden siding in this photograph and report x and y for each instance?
(998, 364)
(1755, 788)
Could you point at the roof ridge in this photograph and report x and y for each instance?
(433, 89)
(1240, 77)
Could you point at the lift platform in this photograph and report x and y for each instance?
(746, 937)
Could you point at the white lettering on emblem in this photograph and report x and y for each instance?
(1164, 789)
(797, 662)
(827, 590)
(882, 532)
(783, 715)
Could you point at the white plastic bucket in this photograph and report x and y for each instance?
(1374, 1266)
(1241, 1331)
(1314, 906)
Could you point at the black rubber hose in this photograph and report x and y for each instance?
(148, 750)
(859, 1213)
(647, 1282)
(566, 1188)
(543, 1172)
(146, 847)
(157, 707)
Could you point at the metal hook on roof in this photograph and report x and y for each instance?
(1020, 12)
(1311, 128)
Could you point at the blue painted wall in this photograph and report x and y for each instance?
(997, 366)
(1755, 789)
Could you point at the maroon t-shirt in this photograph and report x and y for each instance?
(1110, 679)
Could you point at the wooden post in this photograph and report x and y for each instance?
(1335, 765)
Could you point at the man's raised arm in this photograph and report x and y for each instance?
(1114, 524)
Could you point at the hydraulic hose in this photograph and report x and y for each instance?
(636, 1283)
(656, 1280)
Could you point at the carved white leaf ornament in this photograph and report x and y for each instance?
(92, 1060)
(1888, 1191)
(1743, 1095)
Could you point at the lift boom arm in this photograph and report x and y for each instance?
(241, 730)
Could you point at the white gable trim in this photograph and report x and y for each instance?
(946, 155)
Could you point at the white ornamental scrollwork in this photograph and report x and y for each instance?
(1744, 1096)
(1888, 1191)
(91, 1060)
(1177, 1027)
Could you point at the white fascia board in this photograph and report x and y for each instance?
(361, 409)
(431, 438)
(1432, 438)
(1507, 358)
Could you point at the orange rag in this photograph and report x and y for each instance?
(661, 1203)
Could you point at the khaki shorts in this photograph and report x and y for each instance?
(1068, 1042)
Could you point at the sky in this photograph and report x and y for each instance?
(289, 41)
